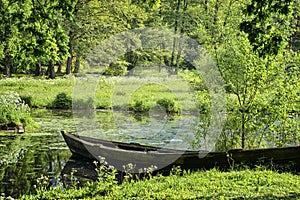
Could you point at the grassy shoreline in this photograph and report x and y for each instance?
(212, 184)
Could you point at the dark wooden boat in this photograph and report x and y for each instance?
(139, 156)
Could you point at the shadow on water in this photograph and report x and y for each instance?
(24, 159)
(79, 169)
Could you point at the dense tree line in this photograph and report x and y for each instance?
(39, 33)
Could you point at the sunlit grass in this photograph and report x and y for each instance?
(43, 91)
(213, 184)
(107, 92)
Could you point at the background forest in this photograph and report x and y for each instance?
(255, 45)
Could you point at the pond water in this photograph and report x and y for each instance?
(28, 158)
(25, 159)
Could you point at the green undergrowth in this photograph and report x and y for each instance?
(14, 113)
(212, 184)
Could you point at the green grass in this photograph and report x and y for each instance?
(42, 91)
(128, 90)
(213, 184)
(114, 92)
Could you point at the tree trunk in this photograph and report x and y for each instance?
(38, 69)
(52, 74)
(7, 71)
(243, 137)
(7, 66)
(182, 31)
(77, 65)
(70, 58)
(166, 60)
(175, 32)
(58, 71)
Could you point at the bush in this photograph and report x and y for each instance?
(13, 111)
(117, 69)
(62, 101)
(213, 184)
(139, 106)
(27, 100)
(169, 105)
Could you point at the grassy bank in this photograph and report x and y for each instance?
(117, 92)
(213, 184)
(41, 92)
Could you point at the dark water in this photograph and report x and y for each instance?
(26, 158)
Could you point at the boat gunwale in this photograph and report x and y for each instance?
(132, 147)
(121, 146)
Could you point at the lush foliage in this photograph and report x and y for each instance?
(13, 111)
(62, 101)
(267, 25)
(213, 184)
(32, 33)
(253, 43)
(169, 105)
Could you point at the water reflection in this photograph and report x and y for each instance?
(78, 168)
(25, 158)
(33, 156)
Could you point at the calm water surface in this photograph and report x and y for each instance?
(25, 159)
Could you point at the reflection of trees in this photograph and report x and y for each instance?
(36, 158)
(11, 152)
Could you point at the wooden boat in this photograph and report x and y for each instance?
(143, 157)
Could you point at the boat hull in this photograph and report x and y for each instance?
(138, 158)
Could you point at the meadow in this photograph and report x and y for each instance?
(134, 93)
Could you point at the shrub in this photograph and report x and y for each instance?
(27, 100)
(13, 111)
(62, 101)
(169, 105)
(117, 69)
(139, 106)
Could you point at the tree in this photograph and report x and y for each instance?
(13, 14)
(45, 40)
(253, 82)
(32, 34)
(267, 25)
(294, 40)
(96, 20)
